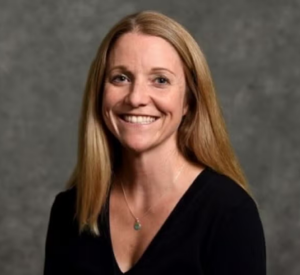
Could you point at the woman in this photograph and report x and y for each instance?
(157, 188)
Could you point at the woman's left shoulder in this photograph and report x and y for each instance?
(226, 193)
(235, 230)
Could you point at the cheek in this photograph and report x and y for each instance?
(172, 105)
(108, 100)
(107, 105)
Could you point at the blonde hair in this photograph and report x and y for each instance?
(202, 135)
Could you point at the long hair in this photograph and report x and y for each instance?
(202, 136)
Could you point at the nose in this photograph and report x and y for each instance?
(138, 94)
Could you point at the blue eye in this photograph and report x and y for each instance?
(161, 80)
(119, 78)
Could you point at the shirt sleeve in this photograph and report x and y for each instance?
(55, 262)
(239, 246)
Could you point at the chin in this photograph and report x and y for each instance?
(138, 146)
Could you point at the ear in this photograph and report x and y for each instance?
(186, 101)
(185, 109)
(185, 104)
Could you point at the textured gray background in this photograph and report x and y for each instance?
(46, 48)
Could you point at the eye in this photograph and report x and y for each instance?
(119, 78)
(161, 80)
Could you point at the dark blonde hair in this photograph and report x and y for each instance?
(202, 135)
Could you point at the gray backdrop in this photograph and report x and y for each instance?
(46, 48)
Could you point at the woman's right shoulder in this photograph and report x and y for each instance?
(62, 222)
(64, 204)
(67, 196)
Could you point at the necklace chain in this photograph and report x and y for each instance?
(137, 223)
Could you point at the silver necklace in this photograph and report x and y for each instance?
(137, 223)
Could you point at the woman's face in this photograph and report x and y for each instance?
(144, 92)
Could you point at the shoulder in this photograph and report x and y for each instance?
(233, 228)
(223, 193)
(229, 209)
(62, 224)
(64, 206)
(66, 197)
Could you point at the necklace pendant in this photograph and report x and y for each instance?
(137, 225)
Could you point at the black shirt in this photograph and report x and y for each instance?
(214, 229)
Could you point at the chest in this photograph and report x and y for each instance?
(129, 245)
(168, 225)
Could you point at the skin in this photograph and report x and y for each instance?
(135, 85)
(145, 76)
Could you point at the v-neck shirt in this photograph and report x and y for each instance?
(214, 229)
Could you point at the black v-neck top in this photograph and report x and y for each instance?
(215, 229)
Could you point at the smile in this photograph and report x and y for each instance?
(139, 119)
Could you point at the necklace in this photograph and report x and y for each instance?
(137, 223)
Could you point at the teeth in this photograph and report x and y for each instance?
(139, 119)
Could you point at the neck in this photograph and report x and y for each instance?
(146, 176)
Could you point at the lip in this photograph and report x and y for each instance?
(137, 124)
(128, 114)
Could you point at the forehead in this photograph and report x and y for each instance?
(144, 50)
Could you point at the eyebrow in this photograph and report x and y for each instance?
(162, 69)
(120, 67)
(125, 69)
